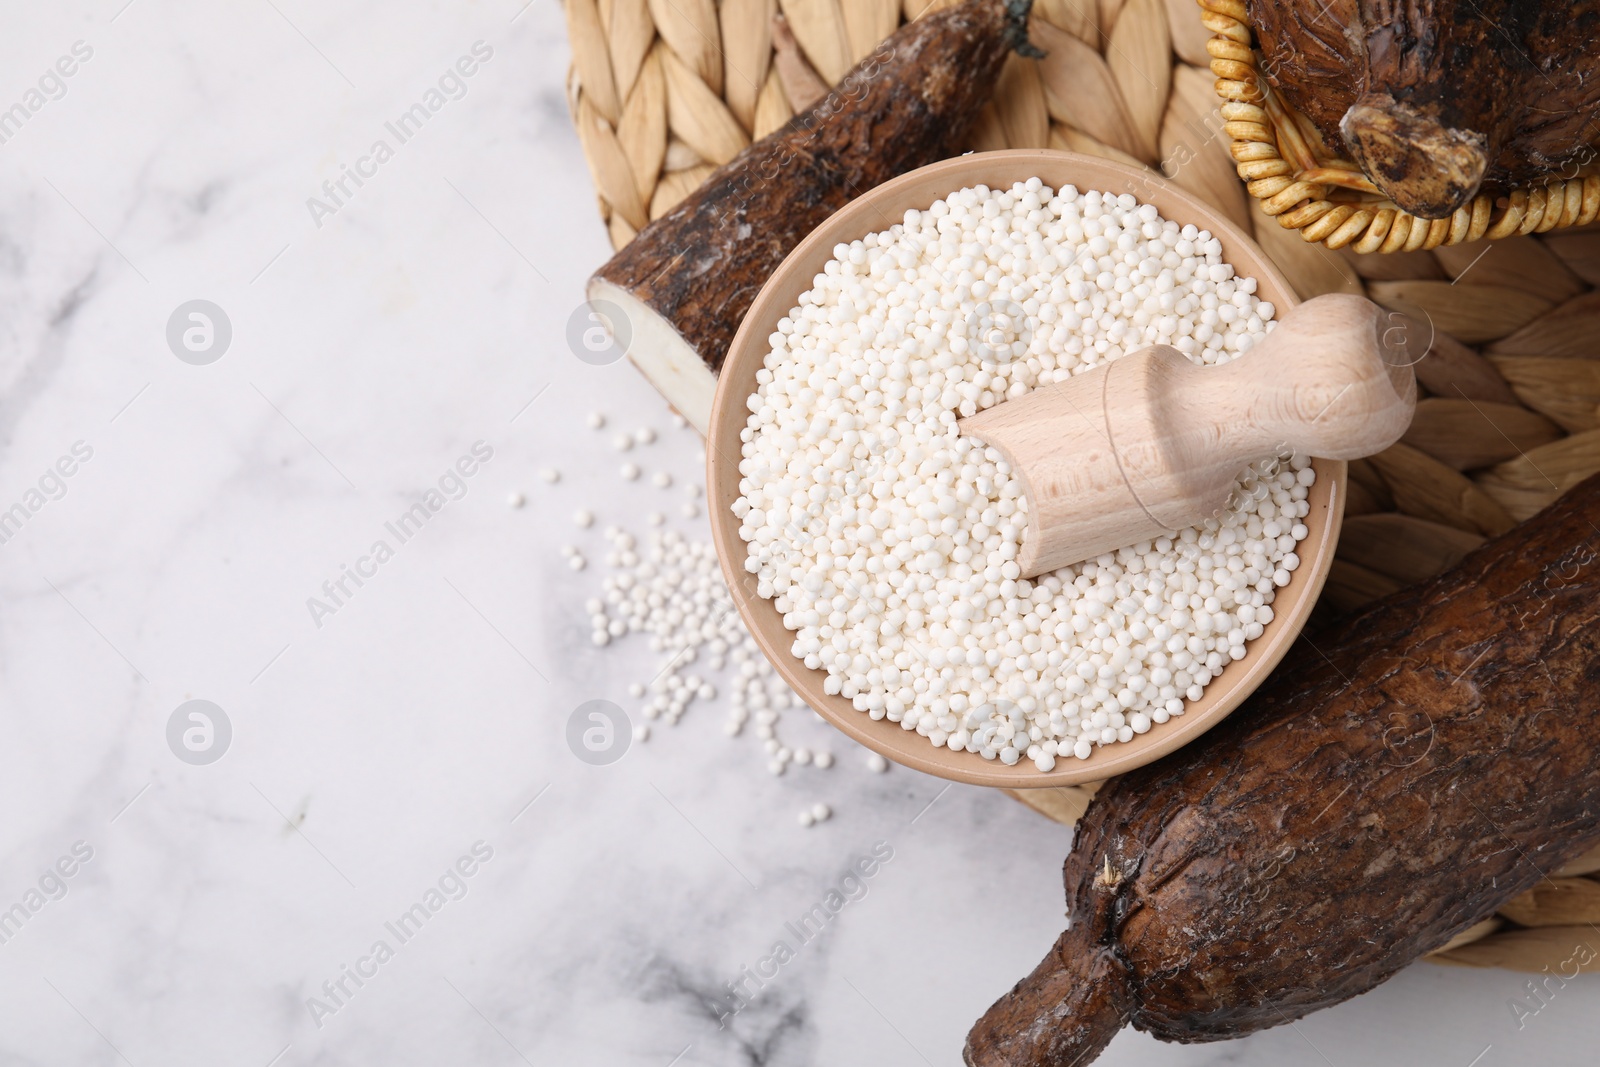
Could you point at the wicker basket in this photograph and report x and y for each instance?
(663, 90)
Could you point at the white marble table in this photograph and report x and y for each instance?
(378, 741)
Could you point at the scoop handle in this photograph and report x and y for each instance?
(1153, 442)
(1322, 383)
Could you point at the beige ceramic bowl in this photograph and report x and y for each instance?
(877, 210)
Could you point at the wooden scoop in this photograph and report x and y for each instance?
(1152, 443)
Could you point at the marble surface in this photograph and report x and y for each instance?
(415, 727)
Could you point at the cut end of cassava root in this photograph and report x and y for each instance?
(1424, 166)
(661, 354)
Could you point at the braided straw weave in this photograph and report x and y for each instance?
(1509, 416)
(1307, 188)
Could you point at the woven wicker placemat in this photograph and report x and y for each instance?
(663, 91)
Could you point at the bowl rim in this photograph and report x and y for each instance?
(877, 210)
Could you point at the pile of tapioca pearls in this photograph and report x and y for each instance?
(668, 587)
(890, 543)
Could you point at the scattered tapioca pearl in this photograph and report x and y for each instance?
(583, 519)
(876, 763)
(550, 475)
(671, 590)
(630, 472)
(623, 442)
(644, 435)
(641, 731)
(889, 542)
(661, 479)
(515, 500)
(577, 562)
(596, 420)
(657, 519)
(690, 509)
(569, 550)
(692, 488)
(806, 818)
(679, 421)
(820, 812)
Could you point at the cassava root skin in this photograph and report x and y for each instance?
(1396, 780)
(698, 268)
(1434, 98)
